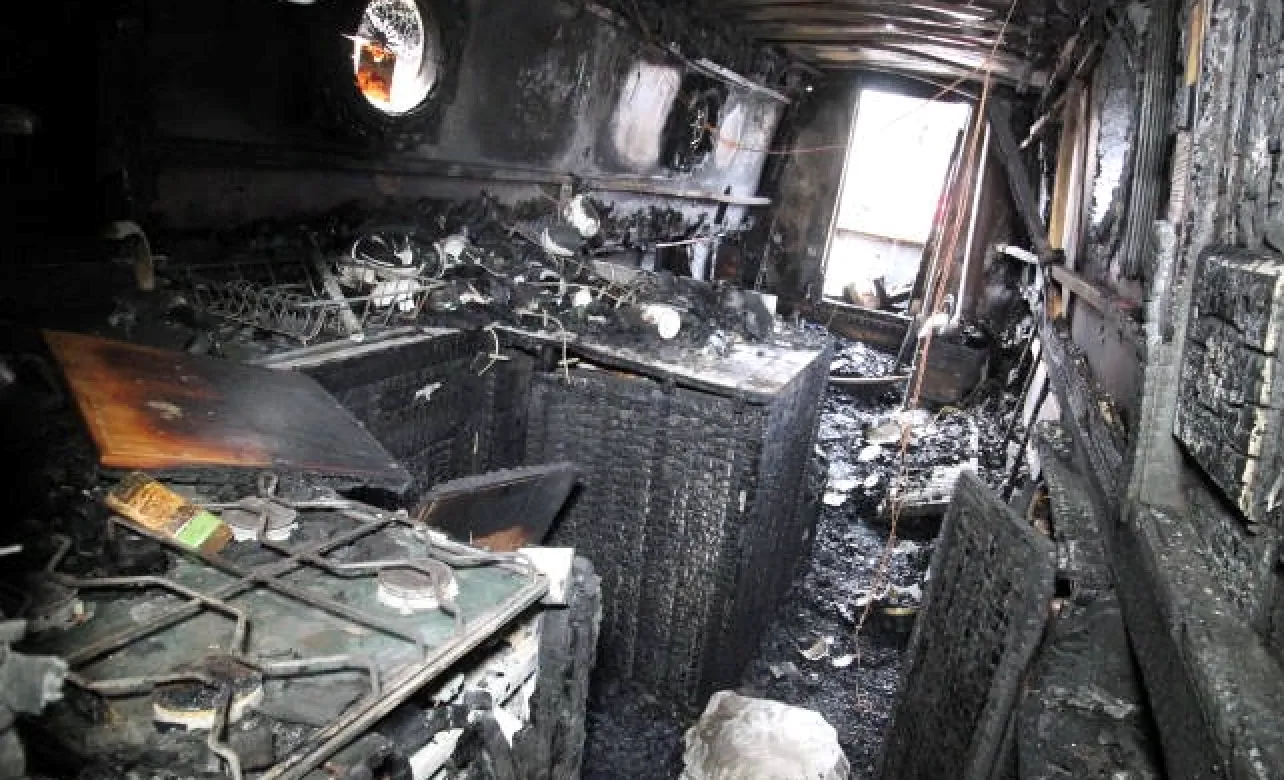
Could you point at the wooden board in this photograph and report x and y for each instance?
(155, 410)
(502, 511)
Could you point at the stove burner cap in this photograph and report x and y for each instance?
(246, 519)
(194, 705)
(54, 606)
(411, 590)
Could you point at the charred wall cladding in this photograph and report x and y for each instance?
(692, 510)
(808, 189)
(1228, 408)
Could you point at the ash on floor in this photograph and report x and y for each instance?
(811, 656)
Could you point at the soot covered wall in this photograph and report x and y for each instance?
(247, 114)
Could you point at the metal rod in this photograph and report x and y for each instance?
(859, 381)
(215, 740)
(135, 686)
(1010, 482)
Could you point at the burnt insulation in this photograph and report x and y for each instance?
(691, 509)
(431, 407)
(983, 615)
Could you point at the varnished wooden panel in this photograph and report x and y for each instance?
(153, 409)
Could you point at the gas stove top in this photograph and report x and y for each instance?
(267, 658)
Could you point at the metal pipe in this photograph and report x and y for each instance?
(971, 227)
(861, 381)
(1009, 482)
(215, 739)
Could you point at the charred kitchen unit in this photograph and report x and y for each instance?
(697, 495)
(200, 567)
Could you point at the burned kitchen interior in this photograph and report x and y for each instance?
(697, 389)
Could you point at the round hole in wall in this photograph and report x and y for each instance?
(396, 55)
(689, 133)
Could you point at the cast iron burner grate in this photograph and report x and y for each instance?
(204, 643)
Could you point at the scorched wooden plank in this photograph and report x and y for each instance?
(155, 410)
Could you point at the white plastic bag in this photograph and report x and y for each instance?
(740, 738)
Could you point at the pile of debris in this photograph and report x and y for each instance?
(568, 267)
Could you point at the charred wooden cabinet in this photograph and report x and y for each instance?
(425, 396)
(692, 507)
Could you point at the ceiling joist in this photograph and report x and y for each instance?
(958, 40)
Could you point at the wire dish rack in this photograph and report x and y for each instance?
(292, 298)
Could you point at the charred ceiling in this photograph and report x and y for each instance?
(1019, 40)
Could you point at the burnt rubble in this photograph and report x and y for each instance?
(569, 268)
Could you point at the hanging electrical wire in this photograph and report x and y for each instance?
(942, 92)
(945, 255)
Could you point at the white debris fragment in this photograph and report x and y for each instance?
(871, 481)
(666, 319)
(740, 738)
(843, 661)
(887, 433)
(913, 417)
(554, 563)
(786, 669)
(583, 297)
(867, 454)
(834, 499)
(425, 393)
(912, 593)
(843, 485)
(818, 649)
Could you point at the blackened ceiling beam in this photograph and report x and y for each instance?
(805, 33)
(920, 23)
(948, 10)
(973, 59)
(1017, 43)
(894, 57)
